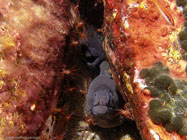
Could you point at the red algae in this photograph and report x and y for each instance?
(144, 32)
(32, 37)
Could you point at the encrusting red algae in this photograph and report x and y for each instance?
(145, 54)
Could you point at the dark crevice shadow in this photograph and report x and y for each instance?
(128, 128)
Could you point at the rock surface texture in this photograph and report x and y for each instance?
(32, 37)
(145, 46)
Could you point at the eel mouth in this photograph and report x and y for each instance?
(101, 110)
(106, 117)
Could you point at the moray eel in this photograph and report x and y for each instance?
(92, 47)
(103, 100)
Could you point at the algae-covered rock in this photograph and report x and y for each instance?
(32, 37)
(148, 58)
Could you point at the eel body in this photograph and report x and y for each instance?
(102, 100)
(92, 47)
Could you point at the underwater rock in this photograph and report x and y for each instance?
(147, 55)
(32, 37)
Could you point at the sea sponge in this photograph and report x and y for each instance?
(149, 74)
(185, 23)
(144, 73)
(165, 96)
(160, 115)
(157, 112)
(167, 109)
(149, 81)
(184, 93)
(183, 131)
(154, 91)
(179, 111)
(184, 45)
(180, 84)
(165, 82)
(180, 101)
(154, 71)
(175, 124)
(155, 103)
(185, 12)
(183, 35)
(181, 2)
(158, 64)
(165, 70)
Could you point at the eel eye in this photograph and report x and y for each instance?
(95, 93)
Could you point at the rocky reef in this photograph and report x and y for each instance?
(149, 63)
(145, 42)
(32, 38)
